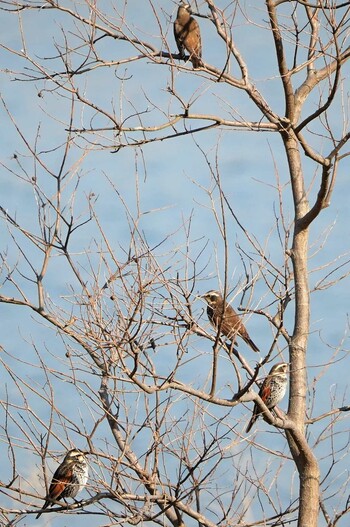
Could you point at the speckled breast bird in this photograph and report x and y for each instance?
(272, 390)
(231, 323)
(187, 35)
(69, 479)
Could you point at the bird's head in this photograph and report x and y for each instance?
(281, 368)
(75, 456)
(184, 6)
(212, 298)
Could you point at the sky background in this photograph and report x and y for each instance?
(172, 178)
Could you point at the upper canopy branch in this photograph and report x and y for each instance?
(281, 60)
(313, 79)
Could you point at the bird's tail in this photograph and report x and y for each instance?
(250, 424)
(250, 343)
(46, 504)
(196, 61)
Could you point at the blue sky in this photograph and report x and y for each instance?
(172, 178)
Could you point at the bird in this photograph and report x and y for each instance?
(69, 479)
(187, 35)
(271, 391)
(222, 315)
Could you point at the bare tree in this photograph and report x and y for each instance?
(116, 355)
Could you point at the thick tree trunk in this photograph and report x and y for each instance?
(306, 462)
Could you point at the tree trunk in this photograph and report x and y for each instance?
(306, 462)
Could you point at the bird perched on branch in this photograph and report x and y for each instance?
(222, 315)
(187, 35)
(69, 479)
(272, 390)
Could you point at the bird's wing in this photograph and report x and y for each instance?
(265, 391)
(193, 39)
(60, 480)
(179, 37)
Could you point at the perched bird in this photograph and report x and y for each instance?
(272, 390)
(187, 35)
(69, 479)
(220, 312)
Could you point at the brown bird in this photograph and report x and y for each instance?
(221, 314)
(69, 479)
(187, 35)
(272, 390)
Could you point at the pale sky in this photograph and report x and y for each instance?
(172, 185)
